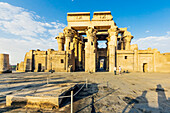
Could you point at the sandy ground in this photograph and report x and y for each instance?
(106, 93)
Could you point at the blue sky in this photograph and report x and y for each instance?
(29, 24)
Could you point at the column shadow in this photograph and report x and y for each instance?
(163, 102)
(140, 104)
(92, 106)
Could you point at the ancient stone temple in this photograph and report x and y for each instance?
(78, 49)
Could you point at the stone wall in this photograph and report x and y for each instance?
(41, 61)
(163, 62)
(56, 61)
(125, 59)
(20, 67)
(149, 60)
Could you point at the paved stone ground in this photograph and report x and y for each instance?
(106, 93)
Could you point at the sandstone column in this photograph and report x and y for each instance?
(127, 39)
(69, 45)
(107, 65)
(76, 41)
(90, 50)
(136, 68)
(60, 40)
(68, 33)
(83, 56)
(121, 42)
(122, 45)
(49, 60)
(80, 55)
(113, 36)
(127, 42)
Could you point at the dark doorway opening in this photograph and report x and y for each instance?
(145, 67)
(39, 67)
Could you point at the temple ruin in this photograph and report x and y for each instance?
(78, 49)
(4, 63)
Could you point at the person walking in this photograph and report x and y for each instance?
(120, 70)
(115, 70)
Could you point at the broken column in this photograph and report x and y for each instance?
(127, 39)
(4, 63)
(60, 40)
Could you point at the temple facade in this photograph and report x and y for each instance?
(78, 49)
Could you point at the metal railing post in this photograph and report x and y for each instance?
(71, 101)
(47, 80)
(86, 83)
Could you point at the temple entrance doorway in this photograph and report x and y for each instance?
(145, 67)
(39, 67)
(102, 53)
(102, 63)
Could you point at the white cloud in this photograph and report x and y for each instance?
(18, 47)
(30, 30)
(168, 32)
(129, 27)
(147, 31)
(162, 43)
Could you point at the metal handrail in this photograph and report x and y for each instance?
(75, 93)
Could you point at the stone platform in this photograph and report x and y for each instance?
(48, 96)
(38, 90)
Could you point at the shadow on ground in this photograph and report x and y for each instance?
(92, 89)
(140, 104)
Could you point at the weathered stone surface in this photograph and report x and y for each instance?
(4, 63)
(47, 97)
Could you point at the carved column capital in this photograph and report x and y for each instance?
(113, 31)
(127, 36)
(60, 36)
(91, 32)
(127, 39)
(69, 32)
(60, 39)
(126, 33)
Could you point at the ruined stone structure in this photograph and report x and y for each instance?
(81, 50)
(4, 63)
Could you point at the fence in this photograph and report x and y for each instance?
(72, 95)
